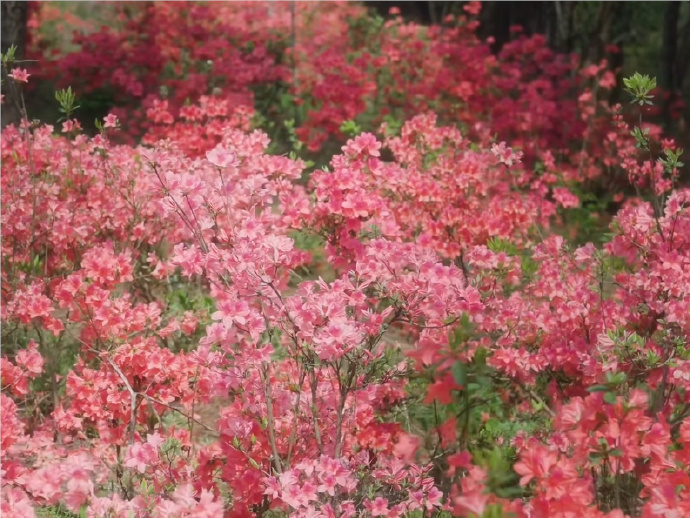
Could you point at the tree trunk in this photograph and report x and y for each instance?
(495, 21)
(601, 34)
(683, 56)
(669, 47)
(14, 18)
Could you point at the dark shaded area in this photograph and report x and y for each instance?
(669, 50)
(14, 16)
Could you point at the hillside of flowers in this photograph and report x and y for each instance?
(292, 273)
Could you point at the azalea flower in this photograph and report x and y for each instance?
(221, 157)
(505, 154)
(110, 121)
(20, 74)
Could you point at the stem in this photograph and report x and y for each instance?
(190, 420)
(660, 391)
(197, 231)
(314, 409)
(152, 399)
(271, 419)
(133, 396)
(344, 391)
(293, 434)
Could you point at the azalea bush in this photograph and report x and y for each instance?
(169, 54)
(288, 70)
(316, 66)
(189, 328)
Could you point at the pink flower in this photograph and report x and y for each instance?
(236, 426)
(20, 74)
(363, 144)
(535, 463)
(70, 125)
(293, 496)
(565, 198)
(474, 502)
(140, 456)
(434, 498)
(328, 484)
(273, 487)
(378, 507)
(110, 121)
(473, 8)
(30, 359)
(45, 483)
(505, 154)
(309, 491)
(221, 157)
(16, 502)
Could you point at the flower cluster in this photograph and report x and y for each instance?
(189, 329)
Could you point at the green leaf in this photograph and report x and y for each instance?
(598, 388)
(459, 371)
(617, 378)
(350, 128)
(616, 452)
(610, 398)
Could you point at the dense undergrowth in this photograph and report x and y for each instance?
(438, 320)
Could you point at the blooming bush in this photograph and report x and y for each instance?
(295, 56)
(190, 330)
(173, 53)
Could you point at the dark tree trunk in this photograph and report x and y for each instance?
(563, 26)
(669, 48)
(543, 17)
(600, 36)
(14, 17)
(495, 21)
(683, 55)
(496, 18)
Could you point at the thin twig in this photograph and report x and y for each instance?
(271, 419)
(133, 396)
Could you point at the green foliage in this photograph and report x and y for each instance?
(8, 57)
(498, 245)
(670, 160)
(171, 448)
(590, 219)
(640, 87)
(58, 511)
(419, 513)
(306, 240)
(277, 114)
(488, 439)
(350, 128)
(393, 125)
(641, 137)
(502, 480)
(67, 101)
(188, 298)
(365, 29)
(296, 144)
(463, 332)
(318, 266)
